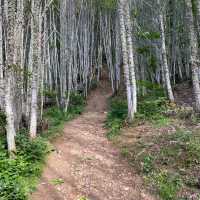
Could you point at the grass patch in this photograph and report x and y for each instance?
(83, 198)
(57, 181)
(167, 184)
(170, 163)
(125, 152)
(19, 176)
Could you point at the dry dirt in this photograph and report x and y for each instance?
(87, 163)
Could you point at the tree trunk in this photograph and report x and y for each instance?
(35, 63)
(1, 60)
(194, 60)
(164, 58)
(125, 55)
(131, 56)
(10, 16)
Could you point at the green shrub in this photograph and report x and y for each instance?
(116, 116)
(17, 175)
(54, 113)
(50, 94)
(32, 151)
(147, 164)
(57, 117)
(152, 108)
(76, 99)
(167, 184)
(12, 189)
(77, 103)
(153, 90)
(114, 127)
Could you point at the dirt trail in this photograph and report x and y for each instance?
(88, 163)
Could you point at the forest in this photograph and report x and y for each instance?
(100, 99)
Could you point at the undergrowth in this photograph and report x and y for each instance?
(151, 107)
(19, 176)
(170, 163)
(56, 117)
(116, 116)
(168, 160)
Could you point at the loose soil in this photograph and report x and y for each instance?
(86, 164)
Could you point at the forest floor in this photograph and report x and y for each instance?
(85, 164)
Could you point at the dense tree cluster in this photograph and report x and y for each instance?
(61, 47)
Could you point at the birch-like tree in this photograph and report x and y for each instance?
(35, 55)
(9, 10)
(194, 57)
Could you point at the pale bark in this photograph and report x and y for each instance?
(131, 56)
(194, 59)
(10, 16)
(164, 58)
(35, 61)
(125, 55)
(1, 61)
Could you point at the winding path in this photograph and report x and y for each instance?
(89, 165)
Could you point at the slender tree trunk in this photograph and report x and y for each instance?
(35, 61)
(1, 60)
(131, 109)
(131, 56)
(194, 59)
(10, 16)
(164, 58)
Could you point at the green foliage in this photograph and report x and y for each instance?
(147, 164)
(167, 184)
(56, 117)
(83, 198)
(194, 7)
(17, 176)
(158, 158)
(49, 94)
(145, 50)
(153, 89)
(116, 116)
(57, 181)
(32, 151)
(125, 152)
(149, 35)
(180, 144)
(134, 13)
(106, 4)
(77, 103)
(152, 108)
(153, 105)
